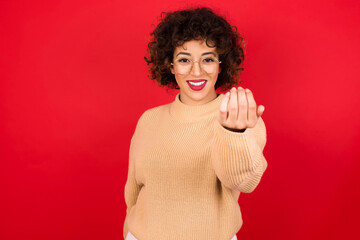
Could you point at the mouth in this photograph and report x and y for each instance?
(197, 84)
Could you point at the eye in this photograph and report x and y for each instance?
(183, 60)
(209, 60)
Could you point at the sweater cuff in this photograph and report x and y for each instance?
(235, 130)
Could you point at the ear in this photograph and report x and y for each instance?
(172, 69)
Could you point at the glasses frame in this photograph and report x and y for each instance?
(192, 65)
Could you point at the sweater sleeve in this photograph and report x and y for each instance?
(132, 188)
(238, 158)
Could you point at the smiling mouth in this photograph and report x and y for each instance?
(197, 85)
(197, 82)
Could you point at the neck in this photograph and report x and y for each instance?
(189, 113)
(195, 102)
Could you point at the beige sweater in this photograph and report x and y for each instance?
(186, 172)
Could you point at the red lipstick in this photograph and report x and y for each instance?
(197, 84)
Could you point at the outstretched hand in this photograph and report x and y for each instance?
(238, 110)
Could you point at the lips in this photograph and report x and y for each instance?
(197, 84)
(196, 80)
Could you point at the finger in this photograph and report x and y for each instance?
(223, 108)
(252, 114)
(243, 107)
(233, 107)
(260, 110)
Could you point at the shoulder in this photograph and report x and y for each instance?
(154, 114)
(149, 120)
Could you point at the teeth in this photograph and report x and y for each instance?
(197, 84)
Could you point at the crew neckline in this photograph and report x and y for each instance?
(191, 113)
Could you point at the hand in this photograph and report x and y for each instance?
(238, 110)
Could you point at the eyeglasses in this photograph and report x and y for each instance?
(184, 65)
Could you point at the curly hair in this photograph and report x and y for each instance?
(175, 28)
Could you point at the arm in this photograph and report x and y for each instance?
(238, 158)
(132, 188)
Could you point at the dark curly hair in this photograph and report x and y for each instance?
(177, 27)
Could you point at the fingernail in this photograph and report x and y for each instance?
(247, 90)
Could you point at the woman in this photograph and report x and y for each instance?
(190, 159)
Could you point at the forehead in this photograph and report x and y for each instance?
(194, 47)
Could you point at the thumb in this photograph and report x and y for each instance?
(260, 110)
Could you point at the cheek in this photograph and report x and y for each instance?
(179, 79)
(214, 76)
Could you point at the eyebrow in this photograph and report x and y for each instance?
(205, 53)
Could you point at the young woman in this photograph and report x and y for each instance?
(190, 159)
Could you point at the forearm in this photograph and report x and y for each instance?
(237, 157)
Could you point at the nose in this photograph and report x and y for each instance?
(196, 68)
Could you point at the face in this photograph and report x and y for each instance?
(203, 69)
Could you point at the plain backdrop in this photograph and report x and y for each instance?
(73, 83)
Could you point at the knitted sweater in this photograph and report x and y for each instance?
(186, 172)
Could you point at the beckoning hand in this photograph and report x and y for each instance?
(238, 110)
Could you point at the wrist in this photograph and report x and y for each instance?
(235, 130)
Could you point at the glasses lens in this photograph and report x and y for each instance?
(184, 65)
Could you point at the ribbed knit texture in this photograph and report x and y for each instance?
(186, 172)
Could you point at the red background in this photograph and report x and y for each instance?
(73, 83)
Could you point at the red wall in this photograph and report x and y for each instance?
(73, 83)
